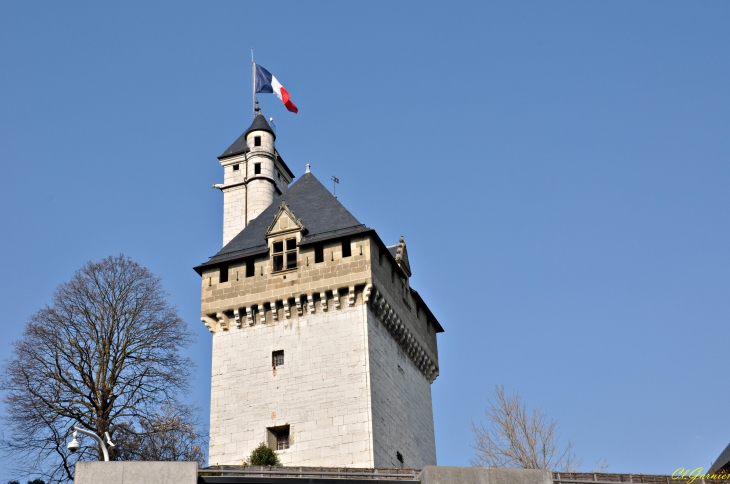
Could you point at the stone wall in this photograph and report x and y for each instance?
(265, 287)
(355, 387)
(401, 402)
(388, 281)
(321, 391)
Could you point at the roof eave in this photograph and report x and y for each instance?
(283, 164)
(334, 234)
(231, 257)
(237, 153)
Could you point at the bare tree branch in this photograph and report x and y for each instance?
(104, 355)
(516, 438)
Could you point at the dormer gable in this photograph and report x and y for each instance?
(284, 222)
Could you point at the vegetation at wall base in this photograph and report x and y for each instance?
(263, 456)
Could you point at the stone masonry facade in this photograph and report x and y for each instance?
(321, 390)
(349, 390)
(333, 348)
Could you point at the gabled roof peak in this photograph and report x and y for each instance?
(285, 221)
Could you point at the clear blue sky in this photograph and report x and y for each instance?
(560, 172)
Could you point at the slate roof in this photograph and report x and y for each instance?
(323, 216)
(239, 146)
(723, 461)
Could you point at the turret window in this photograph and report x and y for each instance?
(285, 254)
(235, 167)
(257, 168)
(257, 140)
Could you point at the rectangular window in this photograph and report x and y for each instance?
(285, 254)
(346, 248)
(278, 256)
(318, 253)
(282, 441)
(250, 268)
(223, 276)
(278, 437)
(235, 167)
(257, 140)
(291, 260)
(277, 358)
(257, 168)
(291, 253)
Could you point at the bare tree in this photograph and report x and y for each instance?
(520, 439)
(105, 356)
(169, 434)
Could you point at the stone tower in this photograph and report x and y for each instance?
(321, 348)
(253, 175)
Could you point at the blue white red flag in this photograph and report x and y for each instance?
(265, 82)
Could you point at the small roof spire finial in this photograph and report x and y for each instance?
(257, 109)
(308, 171)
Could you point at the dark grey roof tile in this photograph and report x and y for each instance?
(323, 216)
(239, 146)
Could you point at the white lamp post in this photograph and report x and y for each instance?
(74, 445)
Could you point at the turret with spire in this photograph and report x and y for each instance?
(253, 175)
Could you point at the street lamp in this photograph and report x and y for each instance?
(74, 445)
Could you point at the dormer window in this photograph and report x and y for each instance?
(257, 140)
(285, 254)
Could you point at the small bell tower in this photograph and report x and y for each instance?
(253, 175)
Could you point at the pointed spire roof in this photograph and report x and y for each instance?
(240, 146)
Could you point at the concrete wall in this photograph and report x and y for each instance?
(482, 475)
(136, 473)
(321, 391)
(401, 401)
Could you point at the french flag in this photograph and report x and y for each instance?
(265, 82)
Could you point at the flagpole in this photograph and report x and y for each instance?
(253, 85)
